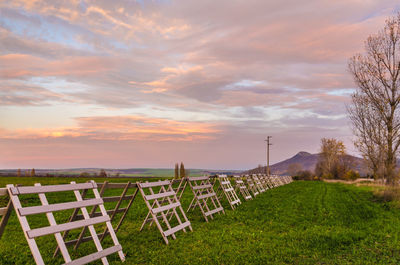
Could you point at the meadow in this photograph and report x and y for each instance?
(298, 223)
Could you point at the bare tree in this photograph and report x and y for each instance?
(370, 133)
(376, 74)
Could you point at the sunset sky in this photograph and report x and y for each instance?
(121, 84)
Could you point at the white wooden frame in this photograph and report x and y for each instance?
(56, 229)
(258, 184)
(163, 202)
(251, 185)
(241, 187)
(226, 189)
(204, 197)
(5, 212)
(179, 190)
(124, 196)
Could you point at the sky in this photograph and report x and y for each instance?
(124, 84)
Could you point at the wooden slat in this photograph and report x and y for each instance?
(228, 190)
(206, 186)
(84, 239)
(50, 188)
(225, 182)
(198, 178)
(66, 226)
(165, 208)
(96, 256)
(214, 211)
(206, 196)
(109, 212)
(52, 221)
(159, 195)
(176, 228)
(235, 202)
(154, 184)
(3, 211)
(58, 207)
(3, 191)
(116, 198)
(117, 185)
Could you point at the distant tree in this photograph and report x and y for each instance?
(331, 161)
(102, 173)
(182, 172)
(33, 172)
(19, 173)
(176, 172)
(84, 174)
(294, 168)
(375, 108)
(117, 175)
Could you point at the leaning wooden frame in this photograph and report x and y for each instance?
(56, 229)
(5, 212)
(251, 185)
(264, 181)
(258, 184)
(117, 213)
(204, 197)
(241, 187)
(179, 186)
(225, 188)
(162, 201)
(269, 181)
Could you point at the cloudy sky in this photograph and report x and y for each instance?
(150, 83)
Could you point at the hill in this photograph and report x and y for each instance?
(307, 161)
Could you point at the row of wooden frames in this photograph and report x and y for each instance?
(91, 207)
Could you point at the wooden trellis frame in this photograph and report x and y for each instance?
(263, 181)
(251, 185)
(258, 184)
(226, 189)
(56, 229)
(182, 183)
(113, 213)
(204, 197)
(5, 212)
(241, 187)
(162, 202)
(268, 180)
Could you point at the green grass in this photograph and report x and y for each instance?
(300, 223)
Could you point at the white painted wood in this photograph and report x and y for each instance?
(91, 227)
(50, 188)
(58, 207)
(52, 221)
(108, 223)
(25, 227)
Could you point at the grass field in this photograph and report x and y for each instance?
(300, 223)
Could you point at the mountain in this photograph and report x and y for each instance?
(307, 162)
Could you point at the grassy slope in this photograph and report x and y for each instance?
(301, 223)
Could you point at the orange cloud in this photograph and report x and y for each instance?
(121, 128)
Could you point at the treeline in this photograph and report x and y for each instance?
(333, 163)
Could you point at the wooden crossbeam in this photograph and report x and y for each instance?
(204, 197)
(55, 228)
(163, 203)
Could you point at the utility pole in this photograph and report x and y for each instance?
(268, 145)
